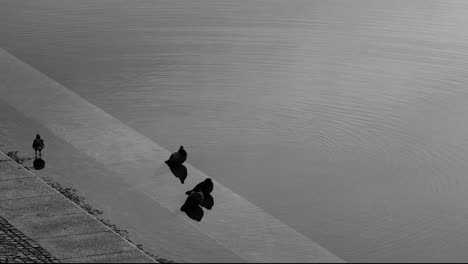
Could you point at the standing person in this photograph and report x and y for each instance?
(38, 145)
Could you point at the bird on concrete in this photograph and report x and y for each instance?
(38, 145)
(177, 158)
(193, 200)
(205, 187)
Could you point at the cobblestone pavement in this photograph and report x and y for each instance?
(15, 247)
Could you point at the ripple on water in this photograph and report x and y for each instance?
(369, 95)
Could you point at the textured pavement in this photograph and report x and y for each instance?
(40, 225)
(15, 247)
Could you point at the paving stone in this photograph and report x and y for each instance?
(83, 245)
(120, 257)
(10, 170)
(23, 187)
(53, 204)
(40, 225)
(58, 225)
(17, 248)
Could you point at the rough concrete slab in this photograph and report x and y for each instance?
(40, 226)
(121, 257)
(55, 223)
(15, 247)
(83, 245)
(134, 159)
(23, 187)
(165, 234)
(48, 205)
(9, 171)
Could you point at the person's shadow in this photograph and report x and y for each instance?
(192, 209)
(179, 171)
(38, 163)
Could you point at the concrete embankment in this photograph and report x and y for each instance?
(41, 225)
(123, 172)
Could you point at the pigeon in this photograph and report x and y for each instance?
(193, 200)
(178, 157)
(205, 187)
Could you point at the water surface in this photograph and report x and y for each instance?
(344, 119)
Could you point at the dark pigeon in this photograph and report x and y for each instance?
(178, 157)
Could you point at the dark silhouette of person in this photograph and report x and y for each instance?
(192, 206)
(38, 145)
(178, 157)
(205, 187)
(38, 163)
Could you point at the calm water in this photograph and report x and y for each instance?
(344, 119)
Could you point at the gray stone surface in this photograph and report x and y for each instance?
(15, 247)
(23, 187)
(9, 171)
(83, 245)
(122, 257)
(41, 225)
(48, 205)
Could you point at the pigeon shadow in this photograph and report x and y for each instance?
(38, 163)
(192, 209)
(208, 201)
(205, 187)
(179, 171)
